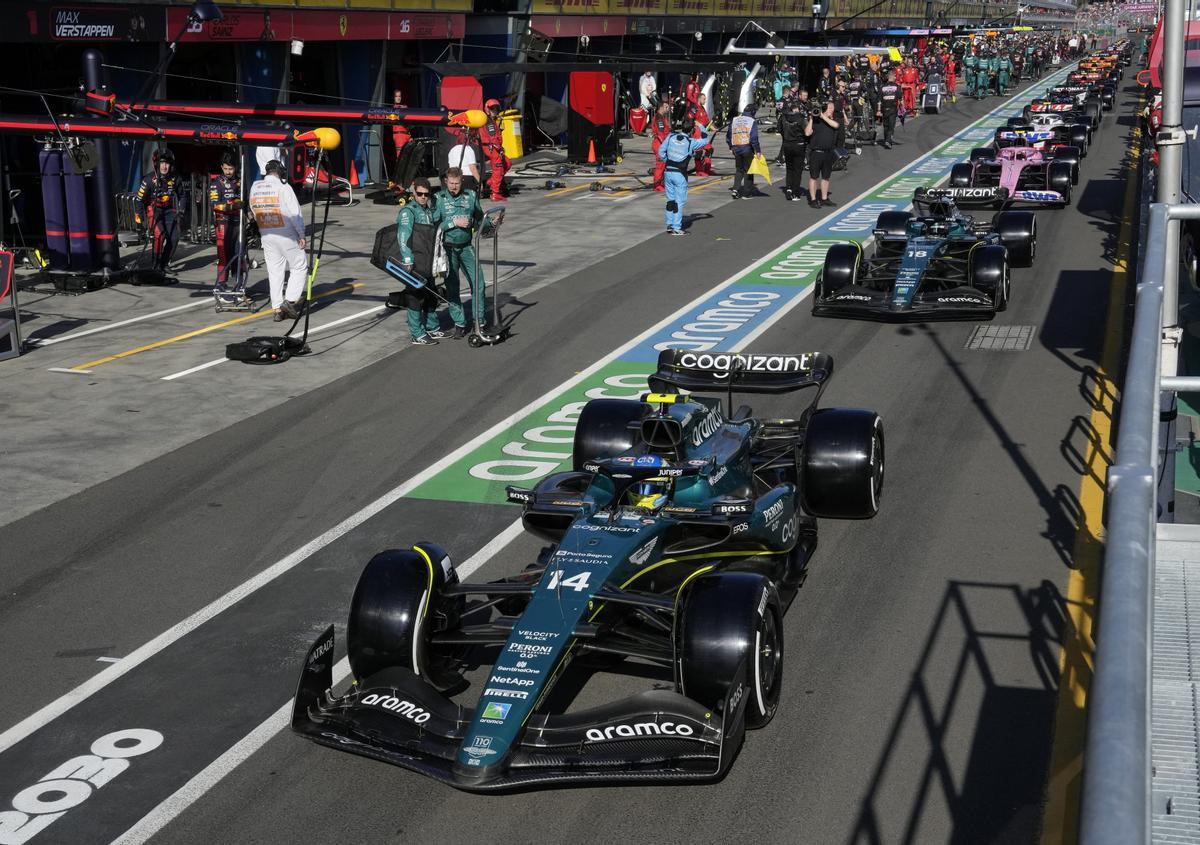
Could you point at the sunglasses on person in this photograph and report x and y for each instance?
(421, 193)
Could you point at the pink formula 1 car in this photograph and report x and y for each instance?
(1024, 175)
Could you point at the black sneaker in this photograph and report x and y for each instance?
(425, 340)
(828, 202)
(813, 204)
(438, 334)
(797, 198)
(789, 196)
(733, 193)
(279, 315)
(460, 332)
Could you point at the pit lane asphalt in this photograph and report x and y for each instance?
(921, 653)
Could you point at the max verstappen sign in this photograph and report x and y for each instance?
(72, 23)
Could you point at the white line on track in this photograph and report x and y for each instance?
(48, 713)
(240, 752)
(358, 315)
(50, 341)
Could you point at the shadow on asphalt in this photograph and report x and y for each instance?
(954, 701)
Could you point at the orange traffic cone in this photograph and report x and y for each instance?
(591, 151)
(353, 175)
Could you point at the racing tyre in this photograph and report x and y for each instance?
(729, 645)
(981, 154)
(989, 274)
(1018, 232)
(1072, 155)
(840, 269)
(1026, 113)
(1058, 178)
(892, 224)
(604, 431)
(1081, 137)
(1014, 122)
(1092, 112)
(399, 601)
(841, 468)
(961, 175)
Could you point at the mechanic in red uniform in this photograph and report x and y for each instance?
(400, 133)
(491, 138)
(951, 80)
(691, 91)
(660, 129)
(225, 197)
(699, 114)
(908, 85)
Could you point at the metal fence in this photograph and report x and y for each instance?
(1116, 804)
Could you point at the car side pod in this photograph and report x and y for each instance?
(841, 472)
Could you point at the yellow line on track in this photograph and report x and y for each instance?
(197, 332)
(716, 181)
(1064, 786)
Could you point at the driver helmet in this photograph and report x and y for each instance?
(652, 492)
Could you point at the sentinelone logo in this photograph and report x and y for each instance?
(68, 23)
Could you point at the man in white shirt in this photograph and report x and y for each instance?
(277, 212)
(462, 156)
(648, 88)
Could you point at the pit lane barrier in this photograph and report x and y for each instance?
(1119, 803)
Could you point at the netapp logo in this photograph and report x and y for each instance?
(514, 682)
(395, 705)
(639, 729)
(721, 364)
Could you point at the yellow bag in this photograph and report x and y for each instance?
(758, 167)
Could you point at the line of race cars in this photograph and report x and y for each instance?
(938, 262)
(677, 540)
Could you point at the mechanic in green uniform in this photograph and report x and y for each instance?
(993, 74)
(970, 71)
(457, 212)
(1006, 68)
(420, 304)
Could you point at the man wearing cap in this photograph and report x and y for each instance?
(160, 195)
(491, 137)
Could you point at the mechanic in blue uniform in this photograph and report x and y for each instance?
(677, 151)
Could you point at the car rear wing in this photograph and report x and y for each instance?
(980, 197)
(740, 372)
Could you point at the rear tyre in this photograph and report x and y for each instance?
(1092, 112)
(962, 175)
(1014, 122)
(1058, 178)
(399, 601)
(1026, 113)
(1018, 232)
(892, 224)
(982, 154)
(730, 635)
(604, 431)
(1070, 154)
(840, 268)
(1081, 137)
(988, 274)
(841, 467)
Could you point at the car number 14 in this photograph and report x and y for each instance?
(578, 582)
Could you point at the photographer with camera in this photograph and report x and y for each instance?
(821, 130)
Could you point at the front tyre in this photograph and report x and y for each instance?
(398, 603)
(1018, 232)
(729, 645)
(989, 274)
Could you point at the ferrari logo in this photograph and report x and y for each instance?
(603, 86)
(342, 25)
